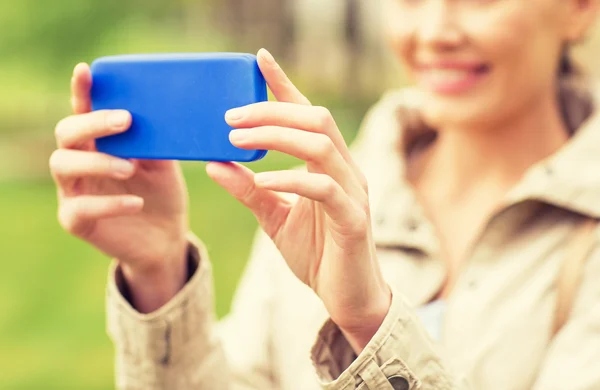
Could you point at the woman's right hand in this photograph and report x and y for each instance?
(132, 210)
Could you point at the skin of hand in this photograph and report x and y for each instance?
(324, 230)
(132, 210)
(136, 210)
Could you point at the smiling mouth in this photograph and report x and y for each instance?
(453, 79)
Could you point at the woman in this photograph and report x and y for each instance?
(478, 179)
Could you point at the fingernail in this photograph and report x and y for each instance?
(238, 135)
(268, 57)
(132, 202)
(118, 119)
(234, 114)
(122, 168)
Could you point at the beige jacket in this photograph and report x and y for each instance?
(496, 331)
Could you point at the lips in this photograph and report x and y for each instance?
(451, 77)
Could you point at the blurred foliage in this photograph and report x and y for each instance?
(52, 330)
(52, 327)
(52, 321)
(41, 41)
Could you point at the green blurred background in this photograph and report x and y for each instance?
(52, 325)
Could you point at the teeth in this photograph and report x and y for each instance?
(447, 75)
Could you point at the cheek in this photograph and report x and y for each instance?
(504, 42)
(521, 47)
(508, 39)
(398, 32)
(522, 50)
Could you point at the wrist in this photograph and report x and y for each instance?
(150, 288)
(359, 336)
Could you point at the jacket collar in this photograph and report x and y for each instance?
(569, 179)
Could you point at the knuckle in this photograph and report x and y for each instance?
(104, 119)
(362, 179)
(105, 164)
(324, 147)
(67, 218)
(246, 194)
(365, 207)
(263, 106)
(324, 117)
(55, 161)
(256, 111)
(360, 224)
(273, 133)
(60, 129)
(330, 186)
(112, 205)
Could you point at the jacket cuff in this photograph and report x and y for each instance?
(399, 351)
(162, 338)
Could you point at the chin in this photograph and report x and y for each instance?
(454, 112)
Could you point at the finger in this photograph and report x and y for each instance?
(77, 215)
(67, 164)
(309, 118)
(315, 186)
(269, 208)
(77, 130)
(81, 84)
(285, 91)
(314, 148)
(281, 86)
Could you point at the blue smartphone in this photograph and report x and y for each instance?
(177, 102)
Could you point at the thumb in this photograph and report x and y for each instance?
(269, 208)
(281, 86)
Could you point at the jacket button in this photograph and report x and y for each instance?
(412, 224)
(399, 383)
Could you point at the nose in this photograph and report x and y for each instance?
(439, 25)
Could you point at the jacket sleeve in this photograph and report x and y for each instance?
(401, 355)
(182, 347)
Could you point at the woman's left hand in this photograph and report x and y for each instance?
(324, 234)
